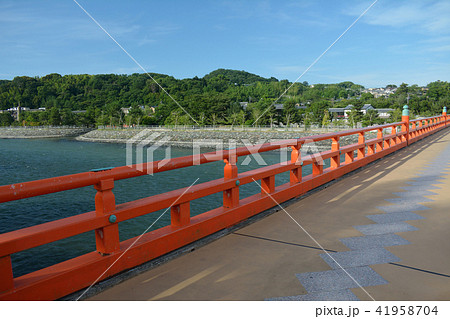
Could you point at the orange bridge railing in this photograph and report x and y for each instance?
(75, 274)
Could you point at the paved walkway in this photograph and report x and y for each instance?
(385, 229)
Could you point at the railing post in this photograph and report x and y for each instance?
(295, 175)
(230, 171)
(394, 141)
(444, 114)
(362, 150)
(387, 142)
(6, 274)
(405, 126)
(106, 238)
(180, 215)
(380, 143)
(335, 147)
(317, 167)
(268, 185)
(371, 149)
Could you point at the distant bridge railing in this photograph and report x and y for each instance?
(75, 274)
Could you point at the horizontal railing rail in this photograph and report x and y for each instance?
(77, 273)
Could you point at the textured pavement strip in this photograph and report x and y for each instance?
(403, 201)
(357, 258)
(344, 294)
(403, 208)
(338, 279)
(368, 250)
(390, 228)
(394, 217)
(413, 192)
(373, 241)
(418, 187)
(424, 183)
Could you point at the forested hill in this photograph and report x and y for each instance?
(216, 98)
(79, 92)
(238, 77)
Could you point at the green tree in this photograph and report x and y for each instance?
(402, 89)
(232, 118)
(6, 119)
(202, 118)
(317, 110)
(214, 119)
(241, 117)
(307, 120)
(395, 115)
(68, 118)
(256, 114)
(136, 114)
(326, 119)
(148, 120)
(355, 115)
(370, 118)
(44, 117)
(113, 112)
(54, 117)
(174, 118)
(366, 97)
(31, 119)
(289, 112)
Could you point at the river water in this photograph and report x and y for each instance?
(31, 159)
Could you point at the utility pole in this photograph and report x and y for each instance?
(18, 112)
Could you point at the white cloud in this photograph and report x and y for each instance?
(420, 16)
(145, 40)
(164, 29)
(441, 48)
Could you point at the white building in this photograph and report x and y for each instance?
(343, 112)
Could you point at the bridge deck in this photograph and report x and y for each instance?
(386, 226)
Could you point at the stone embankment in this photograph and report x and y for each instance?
(41, 132)
(187, 138)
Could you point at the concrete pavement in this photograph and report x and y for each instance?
(385, 229)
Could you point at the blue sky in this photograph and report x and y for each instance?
(396, 41)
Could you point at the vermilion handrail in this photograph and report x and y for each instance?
(64, 278)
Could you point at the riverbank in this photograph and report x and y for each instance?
(178, 138)
(41, 132)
